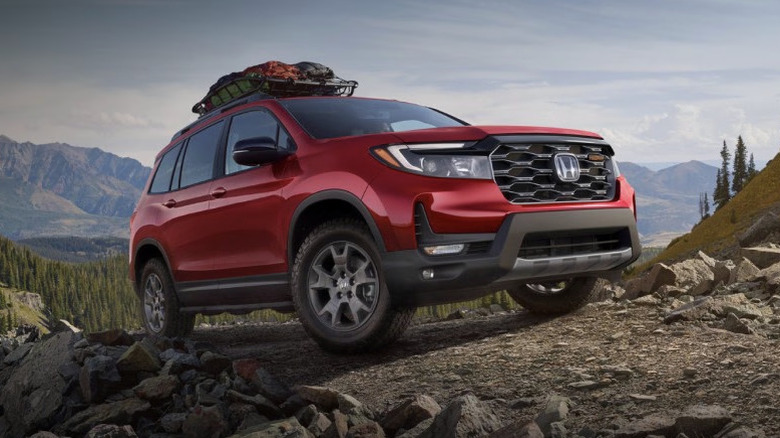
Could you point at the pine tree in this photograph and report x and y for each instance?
(704, 205)
(751, 169)
(701, 205)
(740, 176)
(722, 193)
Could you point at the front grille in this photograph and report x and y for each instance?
(562, 244)
(525, 172)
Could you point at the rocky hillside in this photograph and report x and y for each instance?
(750, 218)
(668, 199)
(62, 189)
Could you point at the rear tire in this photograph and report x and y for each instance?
(555, 297)
(339, 290)
(159, 304)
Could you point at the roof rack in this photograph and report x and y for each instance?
(243, 86)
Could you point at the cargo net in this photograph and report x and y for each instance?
(276, 79)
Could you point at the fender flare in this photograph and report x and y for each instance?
(331, 195)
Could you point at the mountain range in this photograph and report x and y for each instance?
(59, 189)
(668, 199)
(62, 190)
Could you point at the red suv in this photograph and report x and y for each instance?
(354, 211)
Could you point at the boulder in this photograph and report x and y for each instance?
(659, 275)
(246, 368)
(270, 386)
(17, 354)
(743, 272)
(702, 420)
(556, 409)
(339, 426)
(111, 431)
(121, 412)
(349, 404)
(177, 362)
(32, 397)
(760, 230)
(771, 277)
(111, 337)
(325, 399)
(141, 356)
(214, 363)
(518, 429)
(651, 425)
(172, 423)
(692, 311)
(721, 269)
(287, 428)
(464, 416)
(205, 422)
(157, 388)
(761, 257)
(735, 325)
(99, 377)
(369, 429)
(319, 424)
(410, 413)
(262, 405)
(694, 276)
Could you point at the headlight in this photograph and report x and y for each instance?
(446, 160)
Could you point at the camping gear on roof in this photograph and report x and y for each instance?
(276, 79)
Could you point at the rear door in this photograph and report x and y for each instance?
(187, 228)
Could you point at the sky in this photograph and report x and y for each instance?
(662, 81)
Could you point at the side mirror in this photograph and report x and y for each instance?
(257, 151)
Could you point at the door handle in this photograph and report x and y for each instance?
(170, 203)
(218, 192)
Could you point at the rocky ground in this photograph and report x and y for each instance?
(689, 349)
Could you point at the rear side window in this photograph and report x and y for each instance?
(162, 178)
(198, 164)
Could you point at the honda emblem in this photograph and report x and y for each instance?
(567, 167)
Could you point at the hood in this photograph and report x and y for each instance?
(473, 133)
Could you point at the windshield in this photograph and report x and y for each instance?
(340, 117)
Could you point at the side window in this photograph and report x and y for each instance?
(253, 124)
(198, 164)
(162, 178)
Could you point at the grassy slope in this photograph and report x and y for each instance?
(719, 231)
(24, 313)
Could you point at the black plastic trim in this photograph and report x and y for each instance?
(136, 250)
(330, 195)
(239, 291)
(429, 238)
(470, 276)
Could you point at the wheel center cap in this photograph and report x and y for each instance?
(343, 284)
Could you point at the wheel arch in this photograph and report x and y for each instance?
(146, 250)
(324, 206)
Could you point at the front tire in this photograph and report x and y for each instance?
(555, 297)
(159, 304)
(339, 290)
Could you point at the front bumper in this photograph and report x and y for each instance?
(493, 261)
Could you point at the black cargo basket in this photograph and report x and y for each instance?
(245, 85)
